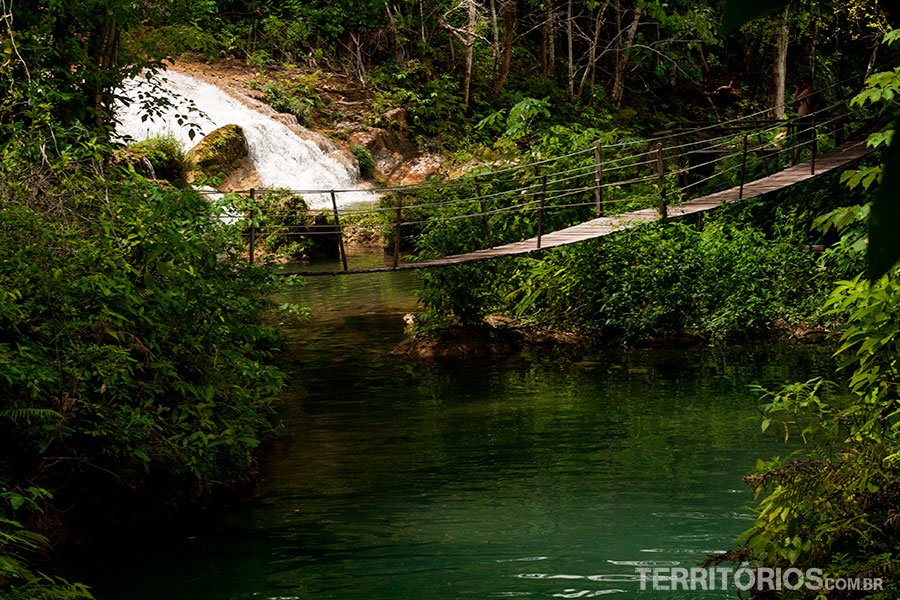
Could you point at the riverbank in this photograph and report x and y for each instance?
(498, 337)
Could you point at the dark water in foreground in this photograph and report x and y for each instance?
(536, 477)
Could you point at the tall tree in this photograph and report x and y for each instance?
(593, 54)
(467, 35)
(625, 43)
(570, 50)
(508, 17)
(779, 66)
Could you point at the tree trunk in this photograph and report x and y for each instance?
(470, 51)
(104, 52)
(594, 44)
(779, 68)
(545, 68)
(570, 59)
(508, 14)
(399, 55)
(495, 42)
(618, 90)
(548, 59)
(872, 59)
(358, 57)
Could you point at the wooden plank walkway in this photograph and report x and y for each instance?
(604, 226)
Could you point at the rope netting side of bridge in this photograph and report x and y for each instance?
(492, 206)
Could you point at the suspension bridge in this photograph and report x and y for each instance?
(591, 193)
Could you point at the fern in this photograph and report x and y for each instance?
(20, 415)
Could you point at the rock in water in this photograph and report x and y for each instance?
(220, 153)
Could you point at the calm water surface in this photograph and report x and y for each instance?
(538, 477)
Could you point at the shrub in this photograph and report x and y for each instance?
(284, 219)
(19, 545)
(719, 281)
(366, 161)
(833, 504)
(296, 96)
(130, 336)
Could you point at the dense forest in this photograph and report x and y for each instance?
(138, 349)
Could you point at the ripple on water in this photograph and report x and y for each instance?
(611, 577)
(548, 576)
(682, 551)
(645, 563)
(523, 559)
(573, 593)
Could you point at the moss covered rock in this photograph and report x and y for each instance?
(219, 153)
(161, 157)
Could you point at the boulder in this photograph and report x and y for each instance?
(220, 153)
(397, 117)
(397, 160)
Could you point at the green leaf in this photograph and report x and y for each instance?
(16, 501)
(884, 243)
(738, 12)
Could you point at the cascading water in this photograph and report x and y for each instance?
(289, 157)
(151, 172)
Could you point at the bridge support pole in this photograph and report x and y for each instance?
(252, 227)
(840, 135)
(397, 225)
(337, 222)
(484, 216)
(662, 208)
(598, 177)
(764, 154)
(743, 168)
(543, 200)
(815, 146)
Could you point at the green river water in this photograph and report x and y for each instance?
(541, 476)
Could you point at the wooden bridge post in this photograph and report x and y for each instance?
(763, 153)
(540, 227)
(252, 226)
(598, 177)
(397, 224)
(815, 146)
(337, 222)
(840, 135)
(743, 168)
(484, 217)
(662, 208)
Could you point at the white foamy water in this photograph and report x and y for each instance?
(285, 157)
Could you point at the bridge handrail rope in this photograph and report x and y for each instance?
(586, 169)
(533, 189)
(705, 143)
(542, 189)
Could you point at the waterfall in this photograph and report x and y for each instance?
(151, 172)
(284, 155)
